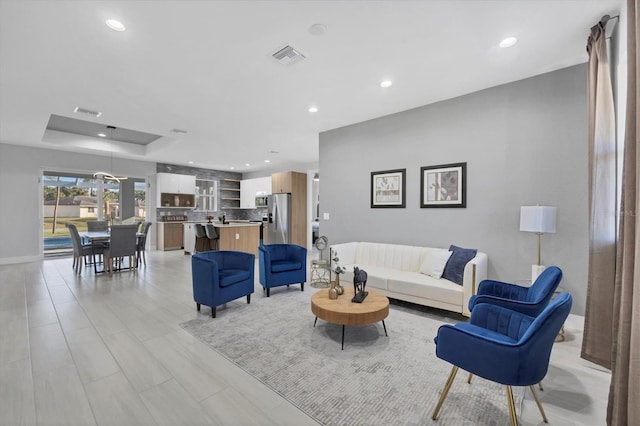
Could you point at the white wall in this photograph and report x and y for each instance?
(21, 170)
(524, 143)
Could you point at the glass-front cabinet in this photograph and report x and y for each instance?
(206, 195)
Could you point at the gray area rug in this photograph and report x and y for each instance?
(376, 380)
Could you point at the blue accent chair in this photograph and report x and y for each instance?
(503, 346)
(221, 276)
(282, 264)
(527, 300)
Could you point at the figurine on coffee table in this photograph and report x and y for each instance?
(359, 283)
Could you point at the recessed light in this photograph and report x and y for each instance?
(386, 83)
(248, 164)
(313, 108)
(115, 25)
(267, 161)
(317, 29)
(102, 135)
(190, 162)
(508, 42)
(232, 168)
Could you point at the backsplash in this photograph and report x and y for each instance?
(208, 174)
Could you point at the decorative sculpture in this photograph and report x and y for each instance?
(359, 283)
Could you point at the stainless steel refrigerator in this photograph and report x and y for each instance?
(278, 227)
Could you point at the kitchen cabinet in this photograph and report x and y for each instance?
(294, 183)
(250, 188)
(282, 183)
(174, 190)
(169, 236)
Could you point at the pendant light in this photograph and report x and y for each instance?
(109, 176)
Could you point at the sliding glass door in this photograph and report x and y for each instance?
(77, 198)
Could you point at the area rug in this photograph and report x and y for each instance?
(375, 380)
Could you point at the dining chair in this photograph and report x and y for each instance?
(202, 242)
(141, 256)
(81, 251)
(212, 235)
(123, 243)
(96, 225)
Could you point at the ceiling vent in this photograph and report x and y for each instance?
(87, 111)
(288, 55)
(182, 132)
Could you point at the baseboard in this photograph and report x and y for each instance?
(21, 259)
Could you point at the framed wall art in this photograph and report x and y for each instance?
(388, 189)
(443, 186)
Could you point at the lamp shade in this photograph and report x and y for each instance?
(540, 219)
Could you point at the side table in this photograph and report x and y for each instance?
(320, 273)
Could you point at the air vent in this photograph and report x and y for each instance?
(288, 55)
(183, 132)
(87, 111)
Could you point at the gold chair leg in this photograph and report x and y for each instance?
(540, 386)
(469, 379)
(512, 406)
(535, 396)
(445, 391)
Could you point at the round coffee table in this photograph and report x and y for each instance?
(343, 311)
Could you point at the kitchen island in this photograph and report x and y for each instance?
(238, 236)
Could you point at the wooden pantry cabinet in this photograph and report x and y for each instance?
(294, 183)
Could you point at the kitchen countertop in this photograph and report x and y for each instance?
(228, 225)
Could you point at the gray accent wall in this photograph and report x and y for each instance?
(525, 143)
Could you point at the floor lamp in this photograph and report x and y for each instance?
(541, 220)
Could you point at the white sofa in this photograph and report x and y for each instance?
(394, 270)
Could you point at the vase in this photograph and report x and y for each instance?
(339, 288)
(333, 292)
(176, 200)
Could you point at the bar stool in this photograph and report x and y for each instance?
(212, 235)
(202, 242)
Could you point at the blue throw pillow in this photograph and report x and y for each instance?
(454, 270)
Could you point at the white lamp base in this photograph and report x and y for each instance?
(535, 271)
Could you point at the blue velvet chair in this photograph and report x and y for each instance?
(503, 346)
(282, 264)
(221, 276)
(527, 300)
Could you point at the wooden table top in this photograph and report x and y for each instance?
(343, 311)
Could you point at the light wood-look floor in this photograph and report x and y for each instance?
(84, 350)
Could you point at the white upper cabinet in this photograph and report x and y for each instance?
(251, 188)
(171, 183)
(176, 184)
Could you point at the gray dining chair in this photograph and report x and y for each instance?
(202, 241)
(123, 244)
(81, 251)
(213, 236)
(97, 225)
(141, 256)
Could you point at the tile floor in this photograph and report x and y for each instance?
(86, 349)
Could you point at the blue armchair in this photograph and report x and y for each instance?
(221, 276)
(282, 264)
(527, 300)
(503, 346)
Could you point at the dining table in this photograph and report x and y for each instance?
(95, 237)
